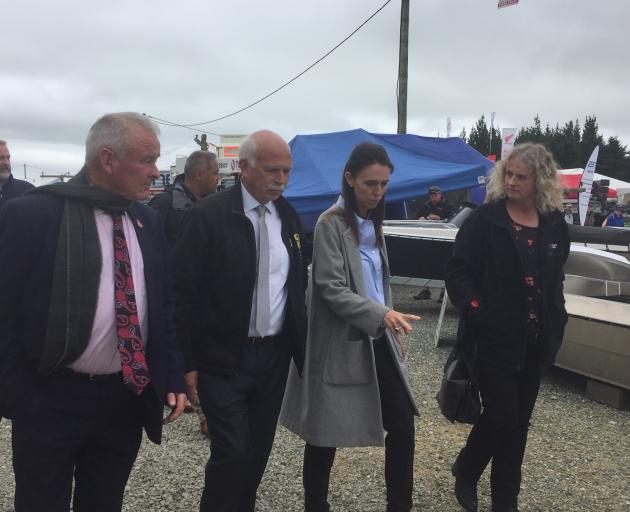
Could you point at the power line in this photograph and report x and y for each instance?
(164, 122)
(189, 126)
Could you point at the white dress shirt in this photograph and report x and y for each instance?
(278, 265)
(101, 354)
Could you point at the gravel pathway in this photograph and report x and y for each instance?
(578, 456)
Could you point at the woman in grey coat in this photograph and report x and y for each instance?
(354, 383)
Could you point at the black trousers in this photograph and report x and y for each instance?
(500, 434)
(242, 413)
(398, 421)
(69, 428)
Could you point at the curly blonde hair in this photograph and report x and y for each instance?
(549, 191)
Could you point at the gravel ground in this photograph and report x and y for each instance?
(578, 456)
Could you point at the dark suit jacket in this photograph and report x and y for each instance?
(215, 276)
(29, 228)
(13, 188)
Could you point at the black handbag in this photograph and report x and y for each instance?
(458, 397)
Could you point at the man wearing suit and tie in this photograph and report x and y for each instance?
(239, 289)
(87, 348)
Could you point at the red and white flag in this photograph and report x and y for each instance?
(508, 136)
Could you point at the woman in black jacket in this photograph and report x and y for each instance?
(506, 278)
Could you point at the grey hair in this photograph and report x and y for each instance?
(248, 150)
(3, 142)
(540, 160)
(197, 159)
(112, 131)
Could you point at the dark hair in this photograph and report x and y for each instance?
(363, 155)
(197, 159)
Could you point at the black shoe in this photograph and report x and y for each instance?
(423, 294)
(465, 492)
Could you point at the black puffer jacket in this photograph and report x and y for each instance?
(486, 266)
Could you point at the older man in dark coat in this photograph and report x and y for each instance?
(239, 282)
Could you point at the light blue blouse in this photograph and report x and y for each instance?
(371, 262)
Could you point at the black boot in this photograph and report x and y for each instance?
(423, 294)
(465, 491)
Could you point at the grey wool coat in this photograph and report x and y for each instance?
(336, 401)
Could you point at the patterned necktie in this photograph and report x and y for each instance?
(263, 311)
(130, 345)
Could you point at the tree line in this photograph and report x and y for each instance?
(571, 144)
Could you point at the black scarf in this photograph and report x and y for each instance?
(77, 268)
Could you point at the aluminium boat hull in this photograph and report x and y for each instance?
(597, 293)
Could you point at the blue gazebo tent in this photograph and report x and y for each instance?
(419, 162)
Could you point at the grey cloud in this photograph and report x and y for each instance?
(71, 61)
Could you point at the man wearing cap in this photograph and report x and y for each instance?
(9, 186)
(435, 208)
(615, 219)
(87, 348)
(241, 316)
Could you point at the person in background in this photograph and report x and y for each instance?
(354, 383)
(589, 220)
(87, 347)
(615, 219)
(435, 208)
(241, 316)
(10, 187)
(568, 214)
(200, 178)
(506, 279)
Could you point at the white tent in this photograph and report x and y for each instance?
(614, 183)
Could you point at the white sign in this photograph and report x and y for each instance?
(587, 183)
(508, 136)
(228, 165)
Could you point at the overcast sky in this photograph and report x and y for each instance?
(65, 63)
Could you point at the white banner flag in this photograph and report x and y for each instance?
(508, 136)
(587, 183)
(448, 126)
(506, 3)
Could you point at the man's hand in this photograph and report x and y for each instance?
(433, 216)
(177, 404)
(191, 387)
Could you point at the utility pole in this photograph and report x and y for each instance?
(402, 66)
(61, 177)
(203, 142)
(24, 171)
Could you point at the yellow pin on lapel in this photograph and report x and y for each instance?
(296, 237)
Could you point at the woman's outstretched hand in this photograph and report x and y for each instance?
(398, 323)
